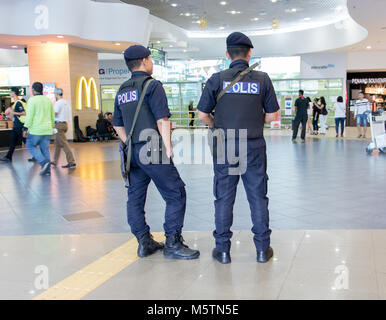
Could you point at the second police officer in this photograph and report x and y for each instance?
(242, 100)
(152, 115)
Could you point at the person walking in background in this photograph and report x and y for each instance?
(340, 116)
(301, 106)
(315, 116)
(16, 113)
(323, 116)
(62, 117)
(362, 106)
(191, 114)
(40, 121)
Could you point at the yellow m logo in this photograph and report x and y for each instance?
(87, 85)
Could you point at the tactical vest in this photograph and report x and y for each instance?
(242, 106)
(127, 99)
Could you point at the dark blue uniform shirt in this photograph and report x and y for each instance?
(213, 88)
(155, 98)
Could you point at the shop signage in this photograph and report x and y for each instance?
(89, 86)
(6, 91)
(368, 80)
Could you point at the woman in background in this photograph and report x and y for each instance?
(315, 116)
(309, 113)
(323, 116)
(340, 116)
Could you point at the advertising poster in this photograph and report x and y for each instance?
(49, 91)
(288, 106)
(276, 125)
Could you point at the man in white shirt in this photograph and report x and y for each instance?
(361, 106)
(62, 116)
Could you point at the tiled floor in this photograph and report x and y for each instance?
(321, 186)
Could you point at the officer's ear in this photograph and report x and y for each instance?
(227, 55)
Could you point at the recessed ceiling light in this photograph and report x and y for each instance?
(254, 19)
(293, 10)
(171, 46)
(184, 50)
(221, 28)
(60, 37)
(117, 43)
(158, 42)
(187, 14)
(368, 47)
(307, 19)
(174, 5)
(234, 12)
(14, 47)
(263, 13)
(274, 1)
(223, 3)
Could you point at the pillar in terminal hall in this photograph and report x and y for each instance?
(75, 70)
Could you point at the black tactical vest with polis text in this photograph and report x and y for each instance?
(127, 99)
(242, 106)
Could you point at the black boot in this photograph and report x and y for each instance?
(176, 249)
(147, 246)
(222, 257)
(264, 256)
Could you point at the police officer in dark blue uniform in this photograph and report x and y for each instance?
(245, 106)
(153, 115)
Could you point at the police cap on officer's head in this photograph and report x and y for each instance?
(238, 39)
(136, 52)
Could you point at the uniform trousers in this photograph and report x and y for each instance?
(255, 180)
(170, 185)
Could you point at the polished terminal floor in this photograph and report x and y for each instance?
(327, 214)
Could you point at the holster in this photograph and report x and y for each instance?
(125, 162)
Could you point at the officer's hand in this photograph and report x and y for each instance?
(169, 153)
(25, 134)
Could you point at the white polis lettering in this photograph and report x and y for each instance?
(243, 87)
(42, 20)
(126, 97)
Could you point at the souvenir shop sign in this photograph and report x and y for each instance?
(368, 80)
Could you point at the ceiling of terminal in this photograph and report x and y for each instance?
(244, 15)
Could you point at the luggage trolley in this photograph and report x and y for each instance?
(378, 132)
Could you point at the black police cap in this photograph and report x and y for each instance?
(238, 39)
(136, 52)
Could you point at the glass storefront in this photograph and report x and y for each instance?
(179, 95)
(184, 80)
(330, 89)
(108, 93)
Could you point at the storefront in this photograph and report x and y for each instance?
(372, 84)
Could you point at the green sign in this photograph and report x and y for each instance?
(5, 91)
(158, 56)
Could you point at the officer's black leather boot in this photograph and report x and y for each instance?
(176, 249)
(264, 256)
(147, 245)
(222, 257)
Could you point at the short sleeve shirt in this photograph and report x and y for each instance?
(18, 108)
(302, 104)
(213, 88)
(155, 98)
